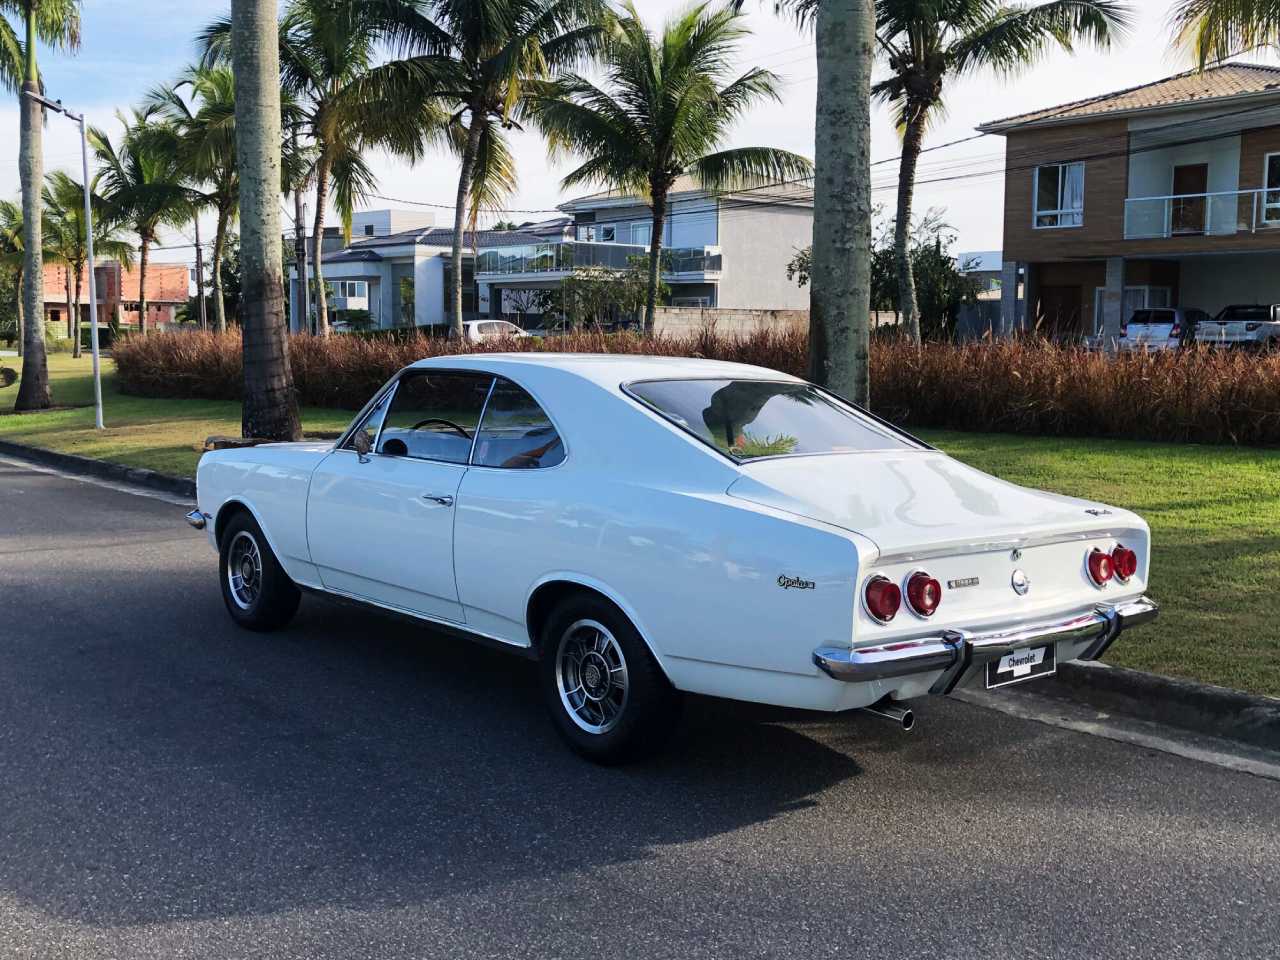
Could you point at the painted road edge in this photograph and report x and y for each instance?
(90, 467)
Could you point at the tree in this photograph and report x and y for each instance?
(483, 62)
(143, 185)
(926, 42)
(65, 244)
(270, 407)
(12, 259)
(55, 22)
(667, 103)
(326, 49)
(1219, 29)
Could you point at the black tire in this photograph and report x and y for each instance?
(264, 598)
(629, 725)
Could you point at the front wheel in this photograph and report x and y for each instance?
(607, 695)
(257, 592)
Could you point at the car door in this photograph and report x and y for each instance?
(380, 525)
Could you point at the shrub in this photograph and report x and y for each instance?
(1023, 386)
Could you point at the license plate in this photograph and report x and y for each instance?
(1022, 665)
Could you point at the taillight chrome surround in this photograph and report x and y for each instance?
(915, 576)
(875, 580)
(1099, 567)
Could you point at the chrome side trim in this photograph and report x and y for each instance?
(198, 519)
(954, 652)
(993, 546)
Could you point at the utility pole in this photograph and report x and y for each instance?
(300, 247)
(204, 321)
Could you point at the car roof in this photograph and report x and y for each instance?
(607, 369)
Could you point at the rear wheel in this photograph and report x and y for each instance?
(607, 695)
(257, 592)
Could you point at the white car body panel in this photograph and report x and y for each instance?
(703, 554)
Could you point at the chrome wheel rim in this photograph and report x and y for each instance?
(591, 674)
(244, 570)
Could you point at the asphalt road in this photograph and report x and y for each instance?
(171, 786)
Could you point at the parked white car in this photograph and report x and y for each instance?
(1255, 326)
(477, 331)
(1161, 328)
(650, 526)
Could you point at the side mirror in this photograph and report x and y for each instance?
(362, 445)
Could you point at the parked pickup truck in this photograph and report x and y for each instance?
(1242, 325)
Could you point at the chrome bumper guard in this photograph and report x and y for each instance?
(954, 652)
(197, 519)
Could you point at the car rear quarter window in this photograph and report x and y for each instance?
(516, 433)
(750, 419)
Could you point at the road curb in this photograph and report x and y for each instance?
(1199, 707)
(89, 467)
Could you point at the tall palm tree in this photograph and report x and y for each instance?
(203, 146)
(55, 22)
(64, 219)
(143, 185)
(1218, 29)
(326, 48)
(12, 256)
(667, 102)
(481, 63)
(928, 41)
(270, 407)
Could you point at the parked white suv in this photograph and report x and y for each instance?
(1254, 325)
(1161, 328)
(475, 331)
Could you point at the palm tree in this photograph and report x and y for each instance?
(326, 48)
(142, 183)
(1218, 29)
(12, 256)
(483, 63)
(64, 219)
(927, 41)
(667, 103)
(270, 407)
(203, 147)
(55, 22)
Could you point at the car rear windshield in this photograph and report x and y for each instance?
(1245, 313)
(749, 419)
(1151, 316)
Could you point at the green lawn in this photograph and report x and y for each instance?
(1214, 511)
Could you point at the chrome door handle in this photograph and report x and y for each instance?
(443, 499)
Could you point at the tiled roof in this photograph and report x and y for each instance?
(1216, 83)
(789, 192)
(443, 237)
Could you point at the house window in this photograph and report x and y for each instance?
(1059, 195)
(55, 315)
(642, 233)
(608, 233)
(1271, 179)
(368, 229)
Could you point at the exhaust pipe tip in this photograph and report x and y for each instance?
(908, 721)
(886, 709)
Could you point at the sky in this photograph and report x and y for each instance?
(131, 46)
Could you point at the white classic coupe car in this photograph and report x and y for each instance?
(648, 526)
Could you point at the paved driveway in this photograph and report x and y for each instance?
(171, 786)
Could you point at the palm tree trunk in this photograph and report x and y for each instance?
(317, 247)
(33, 390)
(22, 319)
(144, 255)
(459, 218)
(840, 289)
(219, 246)
(71, 313)
(75, 346)
(655, 256)
(270, 408)
(912, 139)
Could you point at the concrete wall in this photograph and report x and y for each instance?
(1211, 283)
(679, 321)
(428, 291)
(757, 242)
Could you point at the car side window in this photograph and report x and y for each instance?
(516, 432)
(372, 423)
(433, 416)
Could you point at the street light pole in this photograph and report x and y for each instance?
(56, 106)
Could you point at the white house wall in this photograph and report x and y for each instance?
(428, 291)
(757, 242)
(1212, 282)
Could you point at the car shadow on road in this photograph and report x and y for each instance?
(193, 770)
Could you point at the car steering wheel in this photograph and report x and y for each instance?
(448, 423)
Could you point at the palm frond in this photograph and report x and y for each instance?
(1214, 30)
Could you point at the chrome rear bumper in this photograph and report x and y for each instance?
(197, 519)
(954, 652)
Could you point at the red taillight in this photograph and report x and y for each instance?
(1124, 329)
(923, 593)
(883, 598)
(1176, 332)
(1124, 562)
(1100, 567)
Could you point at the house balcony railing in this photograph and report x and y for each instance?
(565, 256)
(1221, 214)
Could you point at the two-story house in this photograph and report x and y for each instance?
(1163, 194)
(725, 250)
